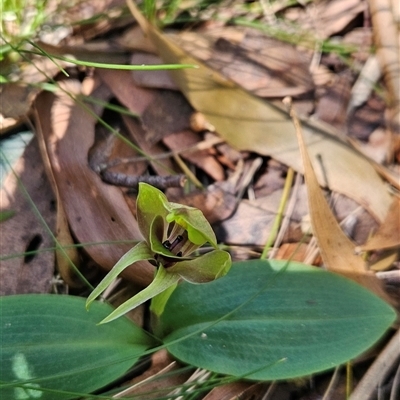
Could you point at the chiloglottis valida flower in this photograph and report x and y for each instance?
(172, 232)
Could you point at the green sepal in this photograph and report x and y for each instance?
(205, 268)
(158, 302)
(140, 252)
(193, 220)
(155, 234)
(150, 204)
(162, 281)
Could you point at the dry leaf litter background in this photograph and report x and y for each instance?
(224, 126)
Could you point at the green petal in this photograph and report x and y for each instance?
(150, 203)
(198, 228)
(205, 268)
(140, 252)
(162, 281)
(156, 236)
(158, 302)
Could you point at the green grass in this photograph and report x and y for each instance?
(20, 20)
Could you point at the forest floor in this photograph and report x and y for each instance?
(219, 135)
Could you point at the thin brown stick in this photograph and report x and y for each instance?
(378, 371)
(131, 181)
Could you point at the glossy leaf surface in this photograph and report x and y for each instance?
(53, 344)
(268, 320)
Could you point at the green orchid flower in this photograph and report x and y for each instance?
(172, 232)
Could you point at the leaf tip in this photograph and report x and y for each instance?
(88, 303)
(105, 320)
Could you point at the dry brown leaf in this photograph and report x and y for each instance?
(262, 65)
(124, 88)
(384, 260)
(40, 69)
(69, 256)
(387, 42)
(355, 221)
(160, 379)
(112, 154)
(393, 177)
(360, 39)
(110, 11)
(334, 15)
(96, 212)
(134, 39)
(236, 390)
(249, 123)
(163, 166)
(169, 112)
(271, 178)
(365, 119)
(379, 145)
(136, 99)
(337, 250)
(6, 124)
(322, 75)
(388, 235)
(159, 79)
(252, 221)
(16, 99)
(294, 252)
(332, 106)
(383, 365)
(25, 231)
(217, 203)
(396, 148)
(116, 161)
(327, 17)
(102, 52)
(201, 158)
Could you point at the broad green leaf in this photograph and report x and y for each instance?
(162, 281)
(159, 301)
(271, 320)
(53, 344)
(250, 123)
(140, 252)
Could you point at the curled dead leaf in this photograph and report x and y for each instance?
(337, 250)
(96, 212)
(25, 232)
